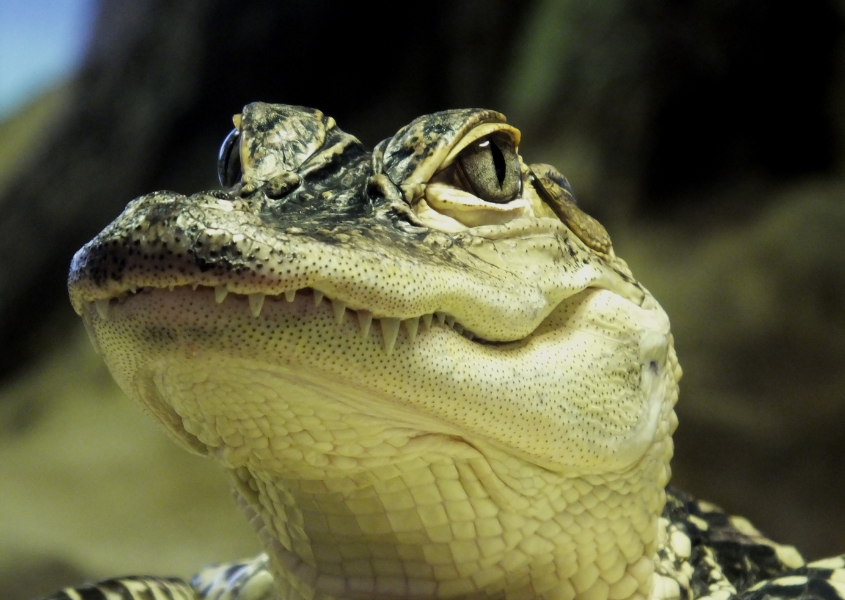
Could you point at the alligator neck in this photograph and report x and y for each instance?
(455, 521)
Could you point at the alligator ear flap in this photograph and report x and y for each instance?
(555, 191)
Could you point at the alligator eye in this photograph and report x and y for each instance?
(229, 160)
(491, 168)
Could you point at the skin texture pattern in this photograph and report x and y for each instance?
(425, 370)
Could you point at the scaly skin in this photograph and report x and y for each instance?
(418, 392)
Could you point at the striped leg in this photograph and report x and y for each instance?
(244, 580)
(709, 555)
(130, 588)
(819, 580)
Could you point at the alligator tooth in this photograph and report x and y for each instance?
(89, 329)
(256, 301)
(450, 320)
(426, 319)
(411, 326)
(220, 293)
(469, 335)
(195, 285)
(365, 319)
(459, 328)
(440, 317)
(102, 308)
(318, 297)
(170, 287)
(389, 331)
(339, 309)
(133, 289)
(290, 295)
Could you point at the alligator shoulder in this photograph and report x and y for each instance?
(424, 367)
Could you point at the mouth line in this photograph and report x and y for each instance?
(254, 303)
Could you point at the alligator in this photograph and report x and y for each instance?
(425, 370)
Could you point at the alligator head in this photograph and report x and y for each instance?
(425, 368)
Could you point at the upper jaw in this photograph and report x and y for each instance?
(499, 282)
(347, 228)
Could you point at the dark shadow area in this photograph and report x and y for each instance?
(743, 90)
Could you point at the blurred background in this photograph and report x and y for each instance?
(707, 135)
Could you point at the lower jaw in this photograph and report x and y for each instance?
(206, 370)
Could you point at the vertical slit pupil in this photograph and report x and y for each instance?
(498, 163)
